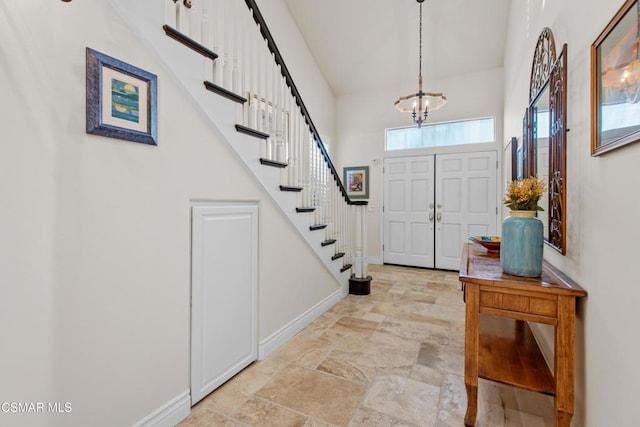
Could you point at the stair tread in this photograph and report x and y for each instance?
(289, 188)
(251, 132)
(345, 268)
(305, 209)
(274, 163)
(210, 86)
(337, 256)
(328, 242)
(317, 227)
(189, 42)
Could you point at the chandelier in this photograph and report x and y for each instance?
(419, 104)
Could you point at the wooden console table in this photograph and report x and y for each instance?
(499, 345)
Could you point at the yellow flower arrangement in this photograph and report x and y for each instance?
(524, 195)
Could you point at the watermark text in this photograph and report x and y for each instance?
(35, 407)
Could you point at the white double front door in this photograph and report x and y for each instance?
(434, 203)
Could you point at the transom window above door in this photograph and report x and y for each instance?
(474, 131)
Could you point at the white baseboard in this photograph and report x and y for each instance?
(169, 414)
(284, 334)
(374, 260)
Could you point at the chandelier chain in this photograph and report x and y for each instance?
(420, 103)
(420, 45)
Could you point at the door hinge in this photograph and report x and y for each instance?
(496, 210)
(496, 164)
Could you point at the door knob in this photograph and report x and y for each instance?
(430, 216)
(430, 205)
(439, 217)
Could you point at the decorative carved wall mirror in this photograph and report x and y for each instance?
(545, 129)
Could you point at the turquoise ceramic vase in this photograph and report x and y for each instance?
(521, 246)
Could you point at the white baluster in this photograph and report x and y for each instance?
(287, 125)
(295, 139)
(284, 103)
(245, 68)
(332, 213)
(259, 77)
(290, 133)
(227, 67)
(312, 175)
(279, 117)
(351, 224)
(325, 193)
(170, 10)
(319, 171)
(268, 116)
(275, 116)
(306, 157)
(308, 173)
(268, 93)
(235, 53)
(336, 212)
(183, 19)
(303, 163)
(346, 228)
(303, 171)
(318, 174)
(268, 84)
(300, 148)
(253, 81)
(195, 21)
(207, 37)
(337, 206)
(216, 44)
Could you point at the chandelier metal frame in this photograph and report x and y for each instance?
(419, 104)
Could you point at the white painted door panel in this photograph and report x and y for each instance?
(408, 201)
(223, 295)
(457, 191)
(466, 203)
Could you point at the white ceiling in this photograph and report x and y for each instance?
(366, 44)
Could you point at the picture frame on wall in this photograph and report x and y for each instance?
(517, 159)
(121, 100)
(356, 181)
(615, 82)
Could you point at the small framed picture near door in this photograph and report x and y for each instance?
(121, 100)
(356, 182)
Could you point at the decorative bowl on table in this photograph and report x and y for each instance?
(490, 243)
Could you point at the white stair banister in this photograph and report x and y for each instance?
(249, 64)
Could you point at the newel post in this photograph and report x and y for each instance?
(360, 282)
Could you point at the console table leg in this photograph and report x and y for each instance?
(472, 405)
(564, 362)
(471, 348)
(562, 419)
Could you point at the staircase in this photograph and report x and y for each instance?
(222, 53)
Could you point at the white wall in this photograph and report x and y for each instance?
(311, 84)
(361, 120)
(602, 212)
(95, 232)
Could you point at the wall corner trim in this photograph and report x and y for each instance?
(169, 414)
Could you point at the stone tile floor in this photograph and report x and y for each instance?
(391, 358)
